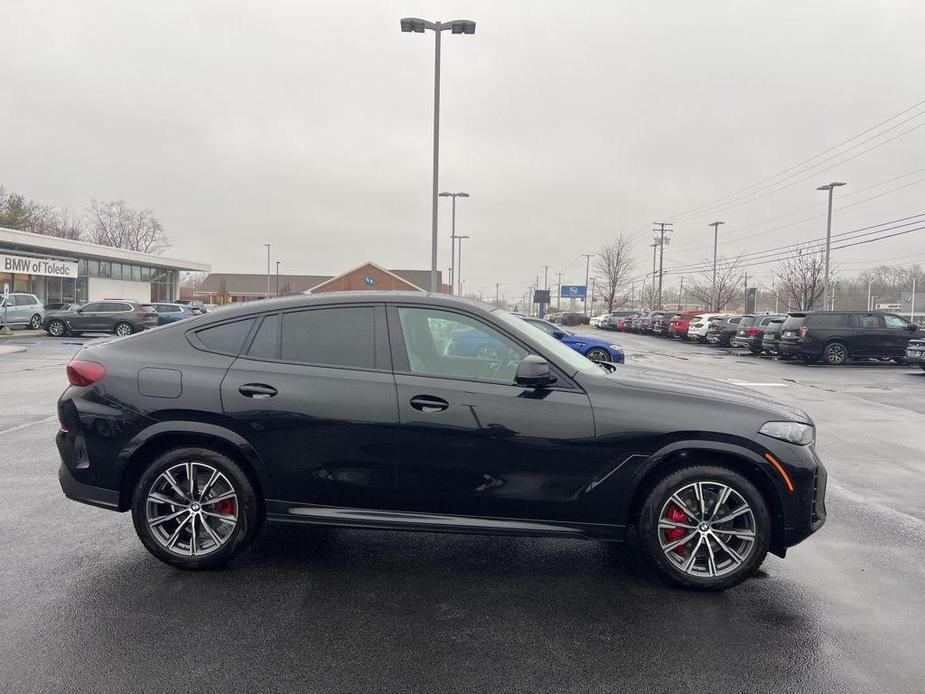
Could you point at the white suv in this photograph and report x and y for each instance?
(21, 310)
(697, 332)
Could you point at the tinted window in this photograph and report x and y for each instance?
(793, 322)
(870, 321)
(333, 336)
(895, 322)
(25, 300)
(266, 342)
(545, 327)
(828, 320)
(746, 320)
(167, 308)
(89, 308)
(226, 338)
(451, 345)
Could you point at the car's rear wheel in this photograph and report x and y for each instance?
(835, 354)
(195, 508)
(598, 354)
(705, 527)
(124, 329)
(56, 328)
(36, 322)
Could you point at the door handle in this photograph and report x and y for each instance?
(429, 403)
(257, 391)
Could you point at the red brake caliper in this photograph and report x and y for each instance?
(677, 515)
(225, 507)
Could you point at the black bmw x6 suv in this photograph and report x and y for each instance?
(348, 410)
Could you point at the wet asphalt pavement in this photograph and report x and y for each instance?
(83, 607)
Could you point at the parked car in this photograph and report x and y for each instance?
(344, 410)
(771, 336)
(599, 321)
(572, 319)
(616, 323)
(837, 336)
(697, 330)
(751, 332)
(915, 352)
(194, 303)
(722, 330)
(119, 317)
(170, 313)
(62, 306)
(658, 323)
(641, 321)
(21, 310)
(679, 324)
(593, 347)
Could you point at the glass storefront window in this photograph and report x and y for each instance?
(117, 271)
(136, 273)
(93, 268)
(105, 268)
(82, 267)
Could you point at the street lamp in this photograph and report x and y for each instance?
(459, 263)
(277, 277)
(826, 301)
(715, 226)
(453, 233)
(268, 269)
(418, 26)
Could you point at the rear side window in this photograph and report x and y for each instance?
(226, 338)
(23, 300)
(330, 336)
(747, 320)
(266, 342)
(870, 321)
(793, 322)
(829, 320)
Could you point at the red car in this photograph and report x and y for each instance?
(679, 323)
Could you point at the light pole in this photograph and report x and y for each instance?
(418, 26)
(277, 277)
(715, 226)
(453, 233)
(459, 264)
(268, 270)
(588, 257)
(826, 302)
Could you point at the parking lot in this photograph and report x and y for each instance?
(86, 608)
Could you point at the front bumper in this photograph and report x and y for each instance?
(915, 357)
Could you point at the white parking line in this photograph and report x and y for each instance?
(766, 385)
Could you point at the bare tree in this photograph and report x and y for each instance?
(21, 213)
(801, 280)
(116, 224)
(729, 282)
(613, 265)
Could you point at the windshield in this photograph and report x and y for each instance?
(562, 353)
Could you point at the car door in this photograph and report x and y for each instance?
(88, 317)
(869, 334)
(472, 442)
(896, 335)
(314, 394)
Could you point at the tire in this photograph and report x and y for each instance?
(170, 540)
(36, 322)
(726, 571)
(124, 329)
(598, 354)
(835, 354)
(56, 328)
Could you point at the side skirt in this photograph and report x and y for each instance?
(373, 519)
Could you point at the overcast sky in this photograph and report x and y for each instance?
(308, 125)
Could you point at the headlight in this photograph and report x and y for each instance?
(792, 432)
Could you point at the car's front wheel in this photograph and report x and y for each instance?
(195, 508)
(705, 527)
(124, 329)
(56, 328)
(36, 322)
(598, 354)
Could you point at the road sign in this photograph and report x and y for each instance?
(541, 296)
(889, 307)
(573, 291)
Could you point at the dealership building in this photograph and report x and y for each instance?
(57, 270)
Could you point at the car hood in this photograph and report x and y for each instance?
(590, 340)
(670, 382)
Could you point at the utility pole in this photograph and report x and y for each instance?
(912, 304)
(277, 277)
(680, 292)
(453, 236)
(592, 297)
(715, 226)
(588, 257)
(268, 269)
(661, 256)
(828, 241)
(558, 291)
(652, 286)
(633, 294)
(745, 298)
(497, 294)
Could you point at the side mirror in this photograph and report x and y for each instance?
(913, 327)
(79, 310)
(558, 334)
(533, 371)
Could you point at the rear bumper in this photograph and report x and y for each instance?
(84, 493)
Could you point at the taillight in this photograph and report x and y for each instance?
(752, 331)
(84, 373)
(803, 330)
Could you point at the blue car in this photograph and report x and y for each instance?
(171, 313)
(475, 343)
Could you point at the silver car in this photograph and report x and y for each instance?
(21, 310)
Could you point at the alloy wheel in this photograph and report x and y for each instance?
(706, 529)
(191, 509)
(36, 322)
(56, 328)
(836, 354)
(123, 329)
(598, 354)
